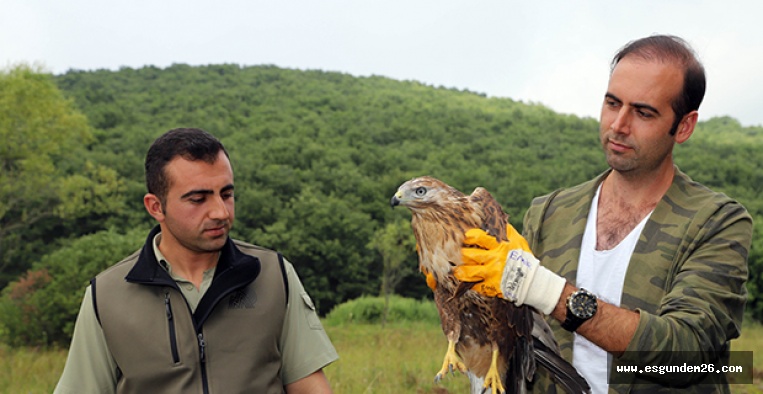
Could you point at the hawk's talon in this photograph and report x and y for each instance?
(450, 363)
(493, 377)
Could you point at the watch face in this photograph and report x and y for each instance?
(583, 305)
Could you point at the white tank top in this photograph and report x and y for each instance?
(602, 272)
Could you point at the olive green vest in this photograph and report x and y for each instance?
(229, 345)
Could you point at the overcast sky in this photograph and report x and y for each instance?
(552, 52)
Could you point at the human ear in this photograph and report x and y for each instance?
(686, 127)
(154, 206)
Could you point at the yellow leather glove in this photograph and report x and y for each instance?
(431, 282)
(508, 270)
(484, 240)
(483, 263)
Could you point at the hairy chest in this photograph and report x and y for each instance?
(615, 221)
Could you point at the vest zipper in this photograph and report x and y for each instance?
(171, 327)
(203, 362)
(202, 347)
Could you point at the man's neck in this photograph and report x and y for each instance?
(186, 263)
(639, 189)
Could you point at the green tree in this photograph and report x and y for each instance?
(43, 136)
(324, 237)
(396, 244)
(40, 308)
(318, 154)
(755, 279)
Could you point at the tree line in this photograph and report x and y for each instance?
(316, 156)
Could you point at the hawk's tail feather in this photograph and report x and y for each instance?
(562, 372)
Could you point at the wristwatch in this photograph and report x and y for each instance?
(581, 306)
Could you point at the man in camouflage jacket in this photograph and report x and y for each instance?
(667, 256)
(686, 276)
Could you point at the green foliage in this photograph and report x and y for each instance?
(40, 308)
(94, 191)
(23, 321)
(324, 236)
(395, 243)
(317, 155)
(755, 280)
(371, 310)
(44, 172)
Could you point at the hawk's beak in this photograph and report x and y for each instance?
(395, 201)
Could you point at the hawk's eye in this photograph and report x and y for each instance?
(420, 191)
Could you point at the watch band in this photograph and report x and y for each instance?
(572, 322)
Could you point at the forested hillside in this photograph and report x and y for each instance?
(317, 156)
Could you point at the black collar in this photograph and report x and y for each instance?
(235, 270)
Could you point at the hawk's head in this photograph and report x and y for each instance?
(424, 193)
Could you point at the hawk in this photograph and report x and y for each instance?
(496, 343)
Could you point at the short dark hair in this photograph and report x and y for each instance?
(673, 49)
(190, 144)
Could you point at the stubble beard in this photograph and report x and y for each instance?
(200, 242)
(633, 165)
(618, 161)
(215, 243)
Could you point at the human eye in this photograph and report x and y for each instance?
(227, 192)
(195, 198)
(645, 114)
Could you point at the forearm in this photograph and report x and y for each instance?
(611, 328)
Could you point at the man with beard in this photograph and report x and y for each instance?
(194, 310)
(640, 265)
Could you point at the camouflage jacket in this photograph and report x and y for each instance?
(686, 276)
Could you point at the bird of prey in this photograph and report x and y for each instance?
(496, 343)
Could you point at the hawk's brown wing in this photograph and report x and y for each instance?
(512, 325)
(494, 219)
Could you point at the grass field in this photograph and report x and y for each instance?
(400, 358)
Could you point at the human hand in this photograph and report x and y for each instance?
(508, 270)
(486, 259)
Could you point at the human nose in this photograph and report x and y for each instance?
(219, 208)
(621, 121)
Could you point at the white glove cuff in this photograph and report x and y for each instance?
(544, 290)
(517, 274)
(525, 281)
